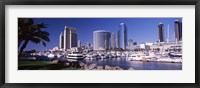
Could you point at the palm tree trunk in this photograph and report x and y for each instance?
(23, 47)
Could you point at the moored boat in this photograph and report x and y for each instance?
(75, 55)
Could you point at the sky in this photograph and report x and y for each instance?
(140, 30)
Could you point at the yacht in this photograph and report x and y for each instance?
(51, 55)
(175, 54)
(75, 55)
(134, 56)
(103, 56)
(119, 54)
(59, 55)
(90, 56)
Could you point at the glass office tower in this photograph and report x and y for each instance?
(161, 32)
(113, 41)
(122, 36)
(101, 40)
(178, 30)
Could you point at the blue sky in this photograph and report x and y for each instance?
(139, 29)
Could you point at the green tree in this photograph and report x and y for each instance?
(28, 31)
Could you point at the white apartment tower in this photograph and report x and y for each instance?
(70, 38)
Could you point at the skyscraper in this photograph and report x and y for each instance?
(112, 40)
(73, 38)
(70, 37)
(79, 44)
(122, 36)
(61, 41)
(88, 45)
(161, 32)
(101, 40)
(178, 30)
(118, 39)
(168, 34)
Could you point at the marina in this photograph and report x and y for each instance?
(136, 60)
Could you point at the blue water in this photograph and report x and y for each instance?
(121, 62)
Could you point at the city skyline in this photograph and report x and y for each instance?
(139, 29)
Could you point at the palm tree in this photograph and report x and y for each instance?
(28, 31)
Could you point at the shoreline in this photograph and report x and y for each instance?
(157, 61)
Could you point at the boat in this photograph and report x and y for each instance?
(168, 59)
(118, 54)
(59, 55)
(134, 56)
(75, 55)
(103, 56)
(113, 54)
(150, 56)
(89, 56)
(174, 54)
(51, 55)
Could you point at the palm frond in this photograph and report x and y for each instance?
(43, 35)
(42, 25)
(42, 32)
(37, 41)
(45, 38)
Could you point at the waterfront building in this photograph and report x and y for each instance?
(143, 46)
(113, 41)
(101, 40)
(161, 32)
(122, 36)
(178, 30)
(149, 43)
(61, 41)
(70, 37)
(164, 46)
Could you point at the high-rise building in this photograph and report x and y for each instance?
(101, 40)
(122, 36)
(61, 41)
(178, 30)
(66, 38)
(79, 44)
(88, 45)
(113, 40)
(73, 38)
(130, 42)
(70, 37)
(168, 34)
(118, 39)
(161, 32)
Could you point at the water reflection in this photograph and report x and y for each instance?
(139, 65)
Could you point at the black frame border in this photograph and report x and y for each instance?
(3, 3)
